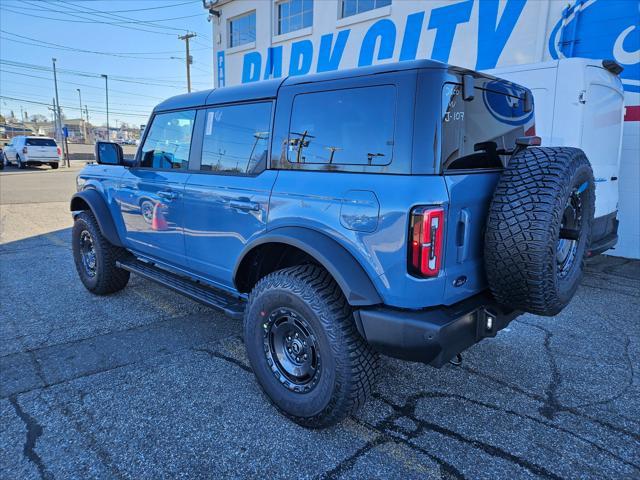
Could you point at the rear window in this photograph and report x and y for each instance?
(478, 134)
(40, 142)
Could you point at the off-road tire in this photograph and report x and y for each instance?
(108, 277)
(348, 364)
(523, 229)
(54, 166)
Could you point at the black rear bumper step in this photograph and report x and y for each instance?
(432, 335)
(218, 299)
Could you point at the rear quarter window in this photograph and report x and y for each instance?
(354, 126)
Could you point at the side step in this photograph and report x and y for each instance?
(218, 299)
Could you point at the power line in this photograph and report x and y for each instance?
(94, 106)
(118, 78)
(125, 11)
(82, 85)
(68, 107)
(109, 16)
(116, 54)
(70, 49)
(76, 14)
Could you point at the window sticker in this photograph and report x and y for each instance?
(211, 116)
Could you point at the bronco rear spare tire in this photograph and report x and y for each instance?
(538, 229)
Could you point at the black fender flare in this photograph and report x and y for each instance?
(98, 207)
(355, 283)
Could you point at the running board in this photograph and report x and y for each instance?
(218, 299)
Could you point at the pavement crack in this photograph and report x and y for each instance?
(92, 442)
(561, 408)
(551, 404)
(34, 431)
(222, 356)
(408, 410)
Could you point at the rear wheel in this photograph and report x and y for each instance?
(54, 165)
(538, 229)
(19, 162)
(95, 258)
(304, 348)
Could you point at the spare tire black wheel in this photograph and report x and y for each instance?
(538, 229)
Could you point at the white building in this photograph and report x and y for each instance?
(260, 39)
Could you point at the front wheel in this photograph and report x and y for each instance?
(95, 258)
(304, 348)
(54, 166)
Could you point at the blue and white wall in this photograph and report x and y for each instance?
(479, 34)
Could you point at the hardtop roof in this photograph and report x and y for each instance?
(267, 89)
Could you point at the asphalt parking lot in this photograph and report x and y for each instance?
(147, 384)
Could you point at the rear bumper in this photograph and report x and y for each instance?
(41, 161)
(434, 335)
(604, 234)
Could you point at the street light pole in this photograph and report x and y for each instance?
(65, 155)
(86, 112)
(106, 88)
(84, 126)
(186, 38)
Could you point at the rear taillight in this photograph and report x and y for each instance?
(426, 235)
(59, 151)
(24, 150)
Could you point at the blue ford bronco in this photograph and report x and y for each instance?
(405, 209)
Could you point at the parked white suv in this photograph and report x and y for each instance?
(28, 150)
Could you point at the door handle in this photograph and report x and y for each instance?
(246, 206)
(168, 194)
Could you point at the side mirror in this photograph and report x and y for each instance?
(109, 153)
(6, 144)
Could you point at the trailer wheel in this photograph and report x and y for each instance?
(538, 229)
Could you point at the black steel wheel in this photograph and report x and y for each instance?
(568, 241)
(87, 253)
(304, 348)
(95, 258)
(292, 350)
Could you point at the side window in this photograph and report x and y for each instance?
(236, 138)
(168, 142)
(343, 127)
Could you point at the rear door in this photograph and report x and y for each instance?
(226, 199)
(41, 148)
(601, 134)
(473, 135)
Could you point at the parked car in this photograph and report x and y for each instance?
(405, 209)
(29, 150)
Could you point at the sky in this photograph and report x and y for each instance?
(93, 37)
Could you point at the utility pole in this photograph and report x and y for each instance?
(106, 89)
(65, 154)
(84, 125)
(186, 38)
(86, 114)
